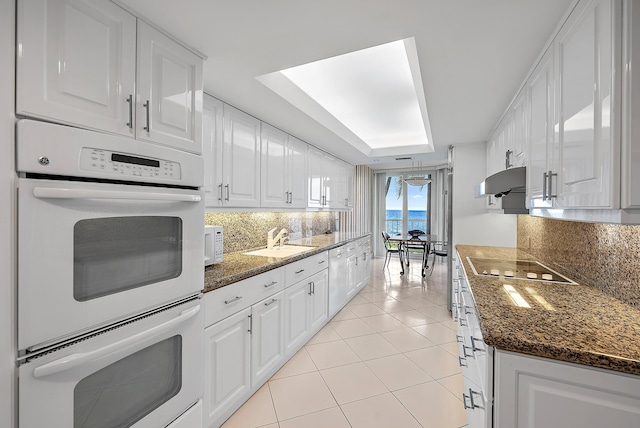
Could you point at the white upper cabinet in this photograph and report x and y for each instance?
(284, 169)
(76, 63)
(631, 107)
(169, 96)
(275, 189)
(316, 178)
(212, 149)
(518, 131)
(327, 181)
(588, 162)
(540, 149)
(239, 162)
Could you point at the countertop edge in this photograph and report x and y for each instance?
(548, 347)
(271, 264)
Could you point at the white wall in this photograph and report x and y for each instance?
(7, 218)
(471, 223)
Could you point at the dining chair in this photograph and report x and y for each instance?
(440, 249)
(390, 249)
(417, 245)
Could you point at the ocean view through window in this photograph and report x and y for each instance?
(406, 206)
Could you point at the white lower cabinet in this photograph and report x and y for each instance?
(227, 366)
(306, 310)
(506, 389)
(534, 392)
(267, 338)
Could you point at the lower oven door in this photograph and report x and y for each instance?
(142, 374)
(93, 253)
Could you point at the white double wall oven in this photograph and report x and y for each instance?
(110, 273)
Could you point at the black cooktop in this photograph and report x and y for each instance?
(516, 269)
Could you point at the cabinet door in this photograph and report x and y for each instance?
(331, 179)
(212, 150)
(583, 50)
(316, 177)
(240, 159)
(275, 186)
(540, 146)
(352, 276)
(169, 102)
(533, 392)
(227, 365)
(518, 130)
(77, 63)
(267, 338)
(296, 311)
(297, 172)
(318, 308)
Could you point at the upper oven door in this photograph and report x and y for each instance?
(93, 253)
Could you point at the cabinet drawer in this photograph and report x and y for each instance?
(228, 300)
(351, 248)
(297, 271)
(364, 244)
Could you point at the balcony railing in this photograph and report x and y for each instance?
(394, 226)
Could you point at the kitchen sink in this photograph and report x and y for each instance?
(280, 252)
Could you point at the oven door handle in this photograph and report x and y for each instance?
(74, 360)
(62, 193)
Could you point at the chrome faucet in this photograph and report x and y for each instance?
(280, 237)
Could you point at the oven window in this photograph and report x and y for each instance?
(116, 254)
(126, 391)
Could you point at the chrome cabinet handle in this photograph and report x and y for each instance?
(467, 310)
(473, 344)
(322, 261)
(464, 401)
(462, 361)
(474, 405)
(147, 106)
(508, 159)
(310, 291)
(458, 338)
(226, 186)
(313, 287)
(544, 186)
(346, 202)
(270, 285)
(551, 175)
(220, 192)
(235, 299)
(300, 271)
(250, 324)
(130, 101)
(463, 322)
(271, 302)
(464, 352)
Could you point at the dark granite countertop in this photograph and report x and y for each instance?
(238, 266)
(567, 322)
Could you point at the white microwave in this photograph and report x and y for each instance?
(213, 244)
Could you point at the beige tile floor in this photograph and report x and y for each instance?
(388, 360)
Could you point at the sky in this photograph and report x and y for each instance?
(417, 200)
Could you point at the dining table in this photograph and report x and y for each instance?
(405, 242)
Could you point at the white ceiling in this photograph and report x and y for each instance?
(473, 55)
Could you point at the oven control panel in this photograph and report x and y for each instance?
(123, 164)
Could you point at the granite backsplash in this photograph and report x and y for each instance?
(246, 230)
(604, 256)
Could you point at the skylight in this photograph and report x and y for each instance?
(372, 98)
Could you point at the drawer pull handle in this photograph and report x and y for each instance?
(272, 284)
(462, 362)
(321, 261)
(463, 322)
(300, 271)
(473, 344)
(130, 101)
(464, 352)
(147, 106)
(235, 299)
(458, 338)
(271, 302)
(464, 401)
(473, 404)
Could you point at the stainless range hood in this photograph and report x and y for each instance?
(510, 185)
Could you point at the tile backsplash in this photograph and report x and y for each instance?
(604, 256)
(248, 230)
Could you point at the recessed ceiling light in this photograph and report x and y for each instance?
(372, 98)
